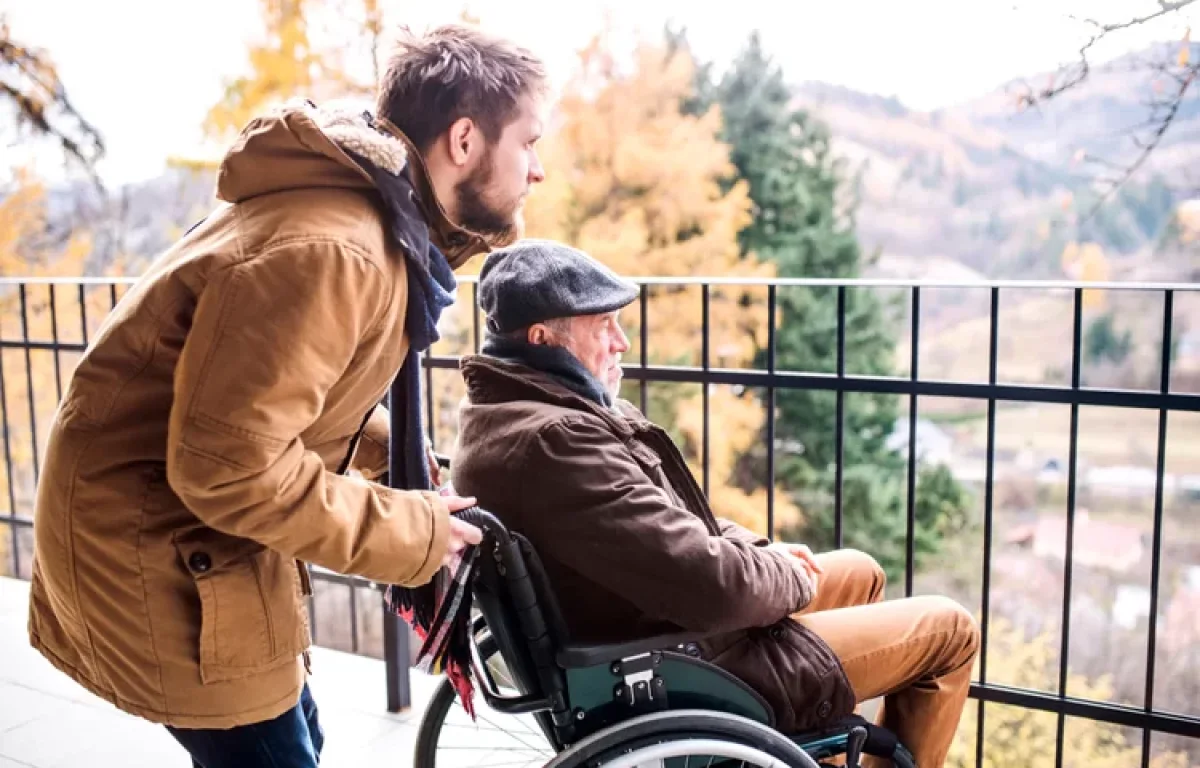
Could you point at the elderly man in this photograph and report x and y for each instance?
(202, 454)
(629, 541)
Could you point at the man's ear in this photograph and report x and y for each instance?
(463, 137)
(537, 334)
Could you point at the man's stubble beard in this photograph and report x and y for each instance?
(500, 227)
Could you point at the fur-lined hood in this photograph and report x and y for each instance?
(301, 145)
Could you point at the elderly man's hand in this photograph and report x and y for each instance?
(806, 561)
(435, 471)
(462, 534)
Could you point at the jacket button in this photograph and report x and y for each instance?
(776, 632)
(824, 710)
(200, 562)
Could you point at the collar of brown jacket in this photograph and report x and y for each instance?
(449, 237)
(300, 145)
(493, 381)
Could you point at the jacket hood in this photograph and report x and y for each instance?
(301, 146)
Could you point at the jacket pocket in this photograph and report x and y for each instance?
(820, 691)
(747, 655)
(251, 614)
(652, 464)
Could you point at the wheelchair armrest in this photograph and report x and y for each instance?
(576, 656)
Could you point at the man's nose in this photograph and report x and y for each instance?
(537, 173)
(621, 342)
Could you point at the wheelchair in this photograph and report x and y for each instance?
(554, 703)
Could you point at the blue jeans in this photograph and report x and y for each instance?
(292, 740)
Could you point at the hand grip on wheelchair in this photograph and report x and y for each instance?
(485, 521)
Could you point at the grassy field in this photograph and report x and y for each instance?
(1034, 347)
(1108, 437)
(1034, 340)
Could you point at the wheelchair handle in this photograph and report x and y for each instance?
(485, 521)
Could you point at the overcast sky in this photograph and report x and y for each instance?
(146, 71)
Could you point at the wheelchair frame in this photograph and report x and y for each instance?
(580, 693)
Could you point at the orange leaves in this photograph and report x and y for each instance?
(25, 249)
(651, 191)
(291, 60)
(1086, 262)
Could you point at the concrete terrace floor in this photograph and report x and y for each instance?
(48, 721)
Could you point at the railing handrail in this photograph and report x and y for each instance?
(67, 280)
(781, 282)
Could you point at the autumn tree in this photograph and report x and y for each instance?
(803, 224)
(40, 107)
(302, 54)
(1172, 93)
(635, 180)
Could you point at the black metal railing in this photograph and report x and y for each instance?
(92, 298)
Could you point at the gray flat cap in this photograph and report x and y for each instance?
(534, 280)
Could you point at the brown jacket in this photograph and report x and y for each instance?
(192, 463)
(628, 539)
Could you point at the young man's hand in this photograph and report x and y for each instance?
(462, 534)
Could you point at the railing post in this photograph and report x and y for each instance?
(395, 662)
(395, 630)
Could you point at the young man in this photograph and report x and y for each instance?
(201, 454)
(631, 546)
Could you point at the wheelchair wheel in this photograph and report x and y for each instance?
(449, 738)
(685, 739)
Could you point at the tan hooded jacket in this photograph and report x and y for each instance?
(193, 461)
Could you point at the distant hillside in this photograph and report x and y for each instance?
(974, 191)
(998, 192)
(1098, 117)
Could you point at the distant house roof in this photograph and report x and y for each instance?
(933, 443)
(1098, 543)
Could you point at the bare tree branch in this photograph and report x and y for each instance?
(1176, 72)
(1078, 72)
(1169, 109)
(29, 82)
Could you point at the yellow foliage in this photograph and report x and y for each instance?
(24, 249)
(639, 186)
(735, 425)
(1187, 217)
(1086, 262)
(1020, 737)
(646, 190)
(288, 64)
(467, 16)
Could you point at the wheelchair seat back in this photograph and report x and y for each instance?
(579, 689)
